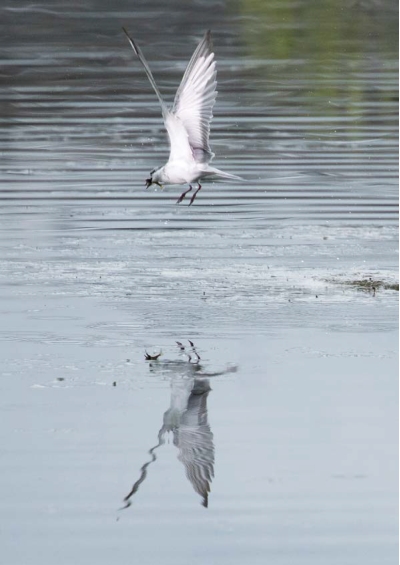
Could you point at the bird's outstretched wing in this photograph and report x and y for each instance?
(149, 74)
(195, 99)
(188, 125)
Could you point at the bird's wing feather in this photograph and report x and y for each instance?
(149, 74)
(188, 125)
(178, 139)
(178, 136)
(195, 99)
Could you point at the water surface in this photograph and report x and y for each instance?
(280, 443)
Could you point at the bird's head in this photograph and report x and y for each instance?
(153, 178)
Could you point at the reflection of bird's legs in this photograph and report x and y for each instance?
(194, 195)
(182, 348)
(182, 196)
(194, 350)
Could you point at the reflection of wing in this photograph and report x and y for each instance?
(187, 419)
(143, 470)
(195, 442)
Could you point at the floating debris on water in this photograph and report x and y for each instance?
(369, 284)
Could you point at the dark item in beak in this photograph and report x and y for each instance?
(149, 182)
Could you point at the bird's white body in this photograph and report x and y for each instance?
(188, 122)
(184, 172)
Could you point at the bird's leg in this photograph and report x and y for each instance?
(194, 195)
(182, 196)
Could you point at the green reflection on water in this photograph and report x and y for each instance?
(320, 30)
(339, 55)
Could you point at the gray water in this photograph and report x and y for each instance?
(280, 444)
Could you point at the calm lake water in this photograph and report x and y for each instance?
(278, 445)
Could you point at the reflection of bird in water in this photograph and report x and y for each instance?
(187, 419)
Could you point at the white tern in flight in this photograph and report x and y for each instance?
(188, 122)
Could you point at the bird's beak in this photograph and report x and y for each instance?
(148, 183)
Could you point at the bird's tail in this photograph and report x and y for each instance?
(222, 174)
